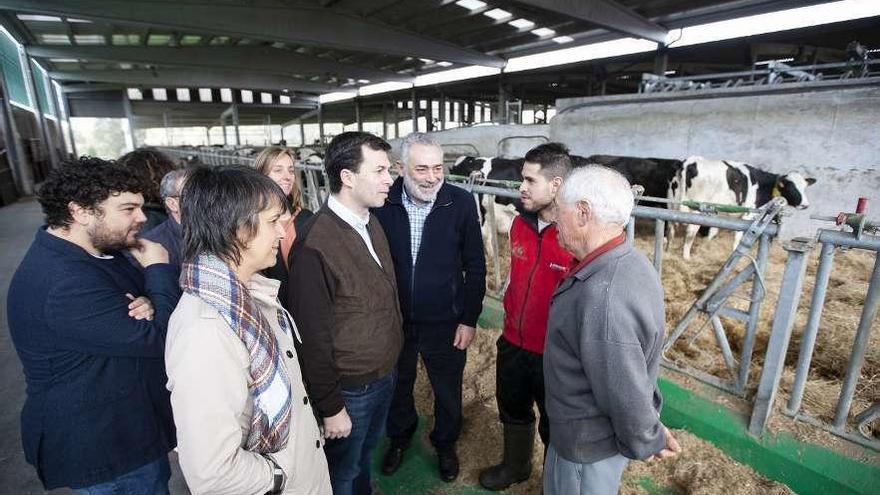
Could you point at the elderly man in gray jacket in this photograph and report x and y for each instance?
(603, 344)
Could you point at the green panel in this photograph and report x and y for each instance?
(806, 468)
(10, 63)
(40, 83)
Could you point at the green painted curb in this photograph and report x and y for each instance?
(806, 468)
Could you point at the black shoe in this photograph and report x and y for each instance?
(392, 460)
(448, 463)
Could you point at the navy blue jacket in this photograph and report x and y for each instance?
(170, 235)
(449, 280)
(96, 406)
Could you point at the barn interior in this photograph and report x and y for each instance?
(783, 84)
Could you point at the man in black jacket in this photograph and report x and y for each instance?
(434, 234)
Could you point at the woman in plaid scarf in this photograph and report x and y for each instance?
(244, 420)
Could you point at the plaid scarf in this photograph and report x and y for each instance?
(214, 282)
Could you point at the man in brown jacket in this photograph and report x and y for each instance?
(344, 301)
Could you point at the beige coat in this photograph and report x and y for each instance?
(208, 378)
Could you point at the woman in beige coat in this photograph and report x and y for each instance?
(244, 422)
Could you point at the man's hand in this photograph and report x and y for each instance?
(672, 448)
(149, 253)
(338, 425)
(140, 308)
(464, 335)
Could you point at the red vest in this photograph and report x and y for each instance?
(537, 264)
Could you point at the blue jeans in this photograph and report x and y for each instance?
(149, 479)
(349, 458)
(563, 477)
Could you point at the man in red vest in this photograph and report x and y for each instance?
(537, 264)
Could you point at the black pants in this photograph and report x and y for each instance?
(519, 384)
(445, 366)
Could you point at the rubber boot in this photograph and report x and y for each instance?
(516, 466)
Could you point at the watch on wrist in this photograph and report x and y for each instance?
(278, 477)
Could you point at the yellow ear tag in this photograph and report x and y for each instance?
(775, 192)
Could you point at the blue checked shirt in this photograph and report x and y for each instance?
(418, 213)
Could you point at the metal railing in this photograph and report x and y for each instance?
(831, 241)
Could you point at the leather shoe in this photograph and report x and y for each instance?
(448, 463)
(392, 460)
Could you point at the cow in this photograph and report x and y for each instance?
(735, 183)
(654, 174)
(504, 209)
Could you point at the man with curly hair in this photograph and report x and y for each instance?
(89, 329)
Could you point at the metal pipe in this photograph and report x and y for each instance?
(493, 239)
(774, 360)
(723, 344)
(631, 229)
(659, 230)
(700, 219)
(846, 239)
(808, 339)
(860, 346)
(754, 314)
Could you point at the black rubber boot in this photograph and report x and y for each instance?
(516, 466)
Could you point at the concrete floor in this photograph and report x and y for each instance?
(18, 223)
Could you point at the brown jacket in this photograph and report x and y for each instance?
(345, 306)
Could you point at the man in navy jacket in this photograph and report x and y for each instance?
(434, 234)
(89, 329)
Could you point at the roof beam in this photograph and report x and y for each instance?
(258, 58)
(289, 24)
(202, 78)
(90, 88)
(606, 13)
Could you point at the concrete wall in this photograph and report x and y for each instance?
(483, 140)
(832, 134)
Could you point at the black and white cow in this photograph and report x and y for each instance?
(732, 183)
(496, 169)
(654, 174)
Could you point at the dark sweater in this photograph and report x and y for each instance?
(96, 404)
(601, 359)
(170, 236)
(449, 280)
(345, 307)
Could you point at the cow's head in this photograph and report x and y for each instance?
(793, 187)
(466, 165)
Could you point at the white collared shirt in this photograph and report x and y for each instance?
(359, 224)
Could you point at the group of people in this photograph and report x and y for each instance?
(273, 346)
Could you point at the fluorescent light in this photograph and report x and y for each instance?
(448, 64)
(771, 22)
(284, 99)
(471, 4)
(134, 94)
(125, 65)
(205, 95)
(182, 94)
(582, 53)
(363, 81)
(63, 60)
(35, 17)
(563, 39)
(247, 96)
(81, 21)
(159, 94)
(337, 96)
(89, 39)
(669, 73)
(543, 32)
(427, 60)
(266, 98)
(383, 87)
(55, 39)
(782, 60)
(226, 95)
(458, 74)
(497, 14)
(522, 24)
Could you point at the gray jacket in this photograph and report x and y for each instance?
(601, 359)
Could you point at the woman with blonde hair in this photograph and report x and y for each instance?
(277, 163)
